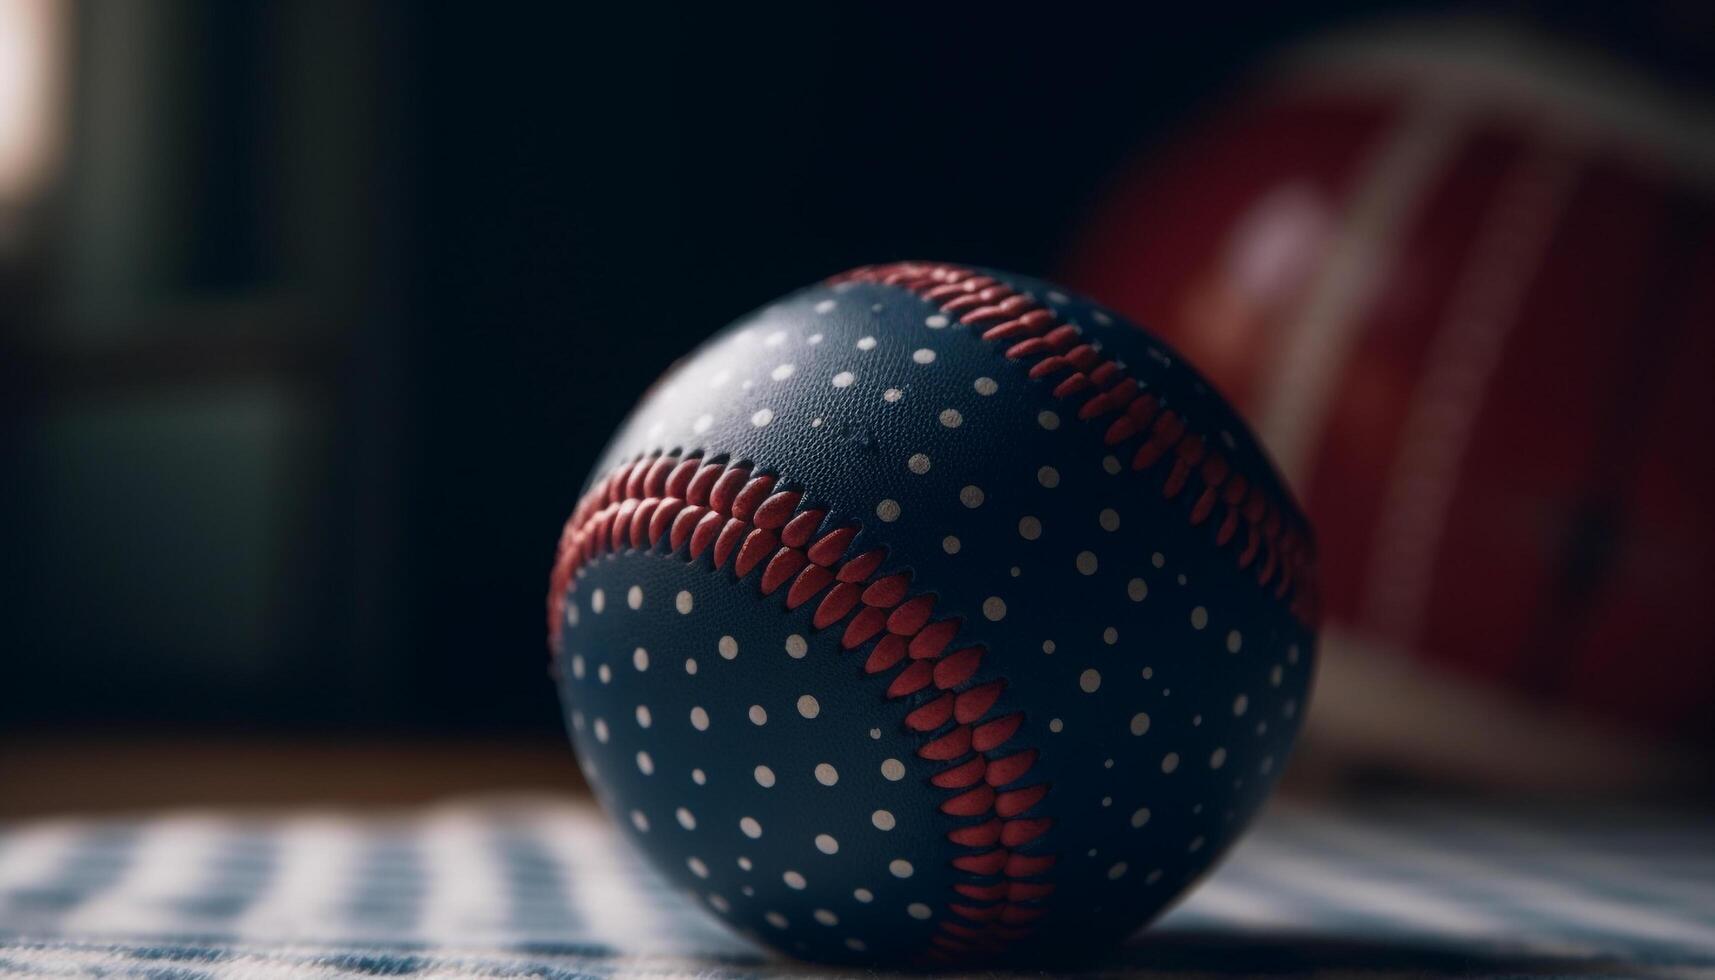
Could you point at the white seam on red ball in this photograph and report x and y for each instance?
(734, 514)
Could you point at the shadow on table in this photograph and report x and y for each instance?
(1221, 953)
(1214, 953)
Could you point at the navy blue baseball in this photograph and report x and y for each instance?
(930, 614)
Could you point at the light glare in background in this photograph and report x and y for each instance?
(31, 84)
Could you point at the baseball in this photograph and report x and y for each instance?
(932, 614)
(1460, 278)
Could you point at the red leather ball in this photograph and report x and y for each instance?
(1465, 287)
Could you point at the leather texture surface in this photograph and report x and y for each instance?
(1159, 685)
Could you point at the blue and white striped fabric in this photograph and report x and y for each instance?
(546, 889)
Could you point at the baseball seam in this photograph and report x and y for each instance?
(751, 520)
(1035, 333)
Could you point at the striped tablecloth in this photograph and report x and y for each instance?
(545, 888)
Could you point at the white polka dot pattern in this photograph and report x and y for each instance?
(942, 699)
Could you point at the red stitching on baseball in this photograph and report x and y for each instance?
(1033, 332)
(693, 505)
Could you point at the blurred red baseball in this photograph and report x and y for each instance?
(1465, 287)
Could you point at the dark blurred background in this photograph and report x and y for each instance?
(316, 314)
